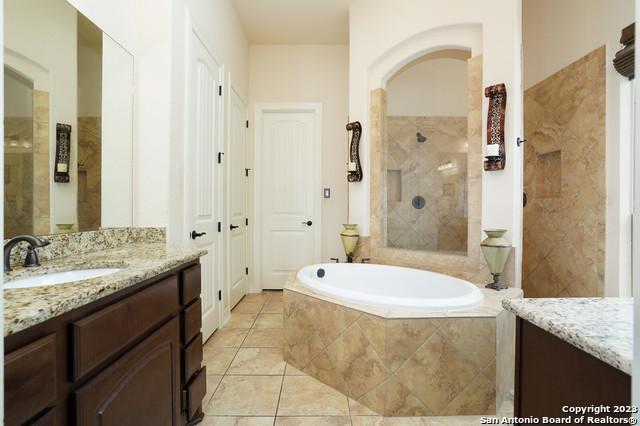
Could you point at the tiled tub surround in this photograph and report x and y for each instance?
(564, 179)
(602, 327)
(470, 267)
(140, 253)
(403, 363)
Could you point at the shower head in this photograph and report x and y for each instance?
(421, 138)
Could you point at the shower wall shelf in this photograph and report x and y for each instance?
(495, 125)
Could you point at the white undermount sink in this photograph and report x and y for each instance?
(59, 278)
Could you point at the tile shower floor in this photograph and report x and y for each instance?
(249, 383)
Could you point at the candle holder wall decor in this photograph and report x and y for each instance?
(63, 153)
(355, 168)
(495, 126)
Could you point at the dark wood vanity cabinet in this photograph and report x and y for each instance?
(130, 358)
(551, 373)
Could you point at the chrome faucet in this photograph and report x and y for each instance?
(31, 260)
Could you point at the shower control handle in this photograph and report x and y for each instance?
(308, 223)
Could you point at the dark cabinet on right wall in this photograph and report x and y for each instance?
(551, 374)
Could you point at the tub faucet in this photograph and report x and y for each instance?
(337, 260)
(31, 259)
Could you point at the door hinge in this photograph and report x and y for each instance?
(220, 154)
(219, 90)
(246, 172)
(219, 226)
(183, 400)
(246, 221)
(247, 124)
(246, 270)
(219, 294)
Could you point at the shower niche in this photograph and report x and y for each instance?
(425, 154)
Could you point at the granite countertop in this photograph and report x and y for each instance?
(139, 261)
(602, 327)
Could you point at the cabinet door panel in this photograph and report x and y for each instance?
(30, 380)
(142, 387)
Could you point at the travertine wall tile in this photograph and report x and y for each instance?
(564, 164)
(41, 162)
(89, 173)
(474, 337)
(405, 336)
(437, 373)
(479, 397)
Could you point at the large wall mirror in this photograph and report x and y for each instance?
(425, 152)
(68, 118)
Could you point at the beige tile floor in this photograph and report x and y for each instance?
(248, 382)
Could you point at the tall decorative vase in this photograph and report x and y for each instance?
(349, 237)
(496, 250)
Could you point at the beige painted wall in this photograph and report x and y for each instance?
(558, 33)
(384, 35)
(433, 88)
(318, 73)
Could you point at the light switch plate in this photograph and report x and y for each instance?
(327, 193)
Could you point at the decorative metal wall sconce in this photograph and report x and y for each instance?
(495, 158)
(63, 153)
(355, 168)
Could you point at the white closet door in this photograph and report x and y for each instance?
(237, 184)
(203, 190)
(289, 193)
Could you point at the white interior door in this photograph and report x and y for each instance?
(288, 180)
(237, 184)
(203, 191)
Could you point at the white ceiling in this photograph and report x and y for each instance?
(295, 21)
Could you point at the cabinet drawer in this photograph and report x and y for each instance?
(140, 388)
(104, 333)
(192, 321)
(30, 380)
(190, 285)
(195, 392)
(192, 358)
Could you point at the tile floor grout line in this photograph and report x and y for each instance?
(275, 418)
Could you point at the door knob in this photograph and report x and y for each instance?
(308, 223)
(195, 234)
(232, 227)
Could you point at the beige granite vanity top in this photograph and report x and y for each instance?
(491, 306)
(139, 261)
